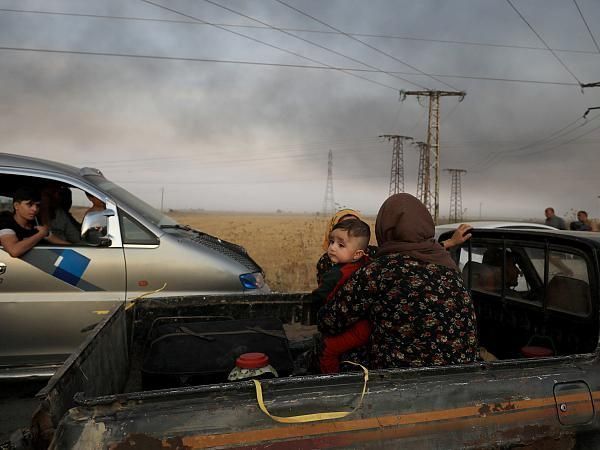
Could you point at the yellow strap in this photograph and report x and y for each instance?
(316, 416)
(145, 294)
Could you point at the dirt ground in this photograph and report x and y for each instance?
(286, 246)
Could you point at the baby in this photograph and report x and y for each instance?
(348, 243)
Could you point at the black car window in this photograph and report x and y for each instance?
(132, 232)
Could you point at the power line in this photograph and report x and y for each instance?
(303, 30)
(305, 146)
(555, 135)
(161, 182)
(543, 41)
(485, 164)
(265, 43)
(514, 80)
(311, 42)
(587, 26)
(543, 150)
(266, 64)
(363, 42)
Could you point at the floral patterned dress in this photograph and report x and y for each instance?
(421, 313)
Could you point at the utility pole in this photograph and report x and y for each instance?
(423, 149)
(432, 200)
(456, 210)
(397, 171)
(328, 202)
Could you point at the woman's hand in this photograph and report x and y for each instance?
(460, 236)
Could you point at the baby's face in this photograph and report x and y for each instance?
(343, 248)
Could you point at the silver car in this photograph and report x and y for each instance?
(53, 295)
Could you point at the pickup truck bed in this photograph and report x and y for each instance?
(97, 398)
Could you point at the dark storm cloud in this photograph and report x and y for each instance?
(193, 120)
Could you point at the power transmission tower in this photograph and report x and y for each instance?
(397, 171)
(421, 174)
(328, 202)
(456, 210)
(432, 200)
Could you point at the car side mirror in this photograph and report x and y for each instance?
(94, 228)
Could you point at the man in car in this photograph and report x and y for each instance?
(20, 230)
(494, 257)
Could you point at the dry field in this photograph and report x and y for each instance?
(286, 246)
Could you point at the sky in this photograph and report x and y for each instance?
(234, 105)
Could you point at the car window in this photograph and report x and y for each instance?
(516, 272)
(132, 232)
(509, 271)
(568, 288)
(5, 203)
(477, 271)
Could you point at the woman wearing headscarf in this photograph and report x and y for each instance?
(420, 311)
(460, 235)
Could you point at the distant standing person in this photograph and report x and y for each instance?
(582, 223)
(553, 220)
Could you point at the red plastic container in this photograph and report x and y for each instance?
(252, 361)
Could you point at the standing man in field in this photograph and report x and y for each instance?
(553, 220)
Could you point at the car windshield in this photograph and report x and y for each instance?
(131, 201)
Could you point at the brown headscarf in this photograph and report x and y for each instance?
(405, 226)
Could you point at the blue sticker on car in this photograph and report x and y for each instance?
(70, 266)
(66, 265)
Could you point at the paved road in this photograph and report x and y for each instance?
(17, 403)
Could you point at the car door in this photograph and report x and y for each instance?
(52, 296)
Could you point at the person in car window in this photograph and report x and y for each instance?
(412, 293)
(53, 214)
(495, 258)
(97, 204)
(20, 230)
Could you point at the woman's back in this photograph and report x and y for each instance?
(421, 313)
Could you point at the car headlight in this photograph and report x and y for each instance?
(254, 280)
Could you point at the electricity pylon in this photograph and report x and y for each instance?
(432, 199)
(456, 210)
(397, 171)
(328, 202)
(421, 174)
